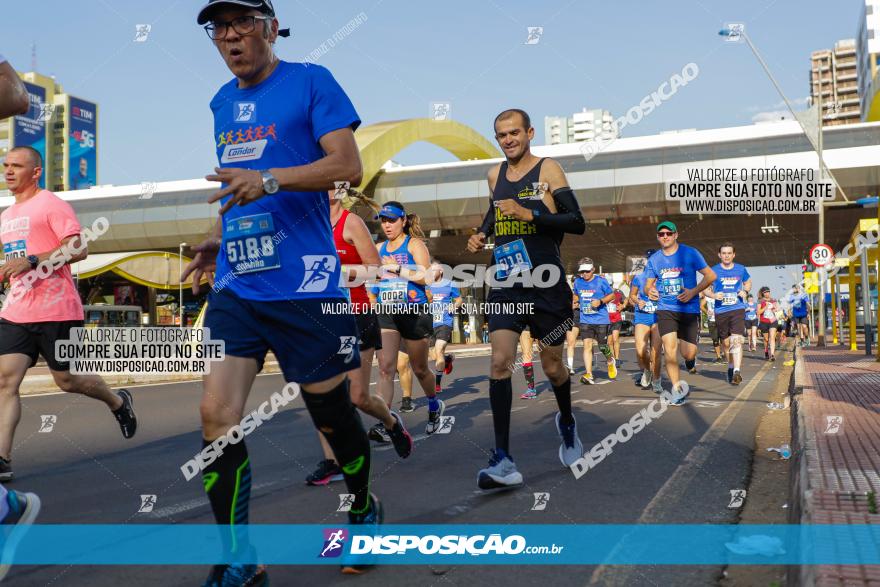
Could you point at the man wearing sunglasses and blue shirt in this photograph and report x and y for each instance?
(671, 279)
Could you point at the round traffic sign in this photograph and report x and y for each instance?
(821, 255)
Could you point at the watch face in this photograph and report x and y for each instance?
(270, 184)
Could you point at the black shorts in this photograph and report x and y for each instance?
(713, 333)
(615, 326)
(598, 332)
(686, 325)
(799, 320)
(751, 323)
(766, 326)
(414, 325)
(36, 338)
(550, 317)
(576, 317)
(730, 323)
(369, 335)
(441, 332)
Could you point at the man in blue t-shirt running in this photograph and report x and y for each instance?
(799, 302)
(730, 291)
(671, 279)
(284, 134)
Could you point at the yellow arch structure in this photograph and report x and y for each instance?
(380, 142)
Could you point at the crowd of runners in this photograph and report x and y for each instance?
(275, 290)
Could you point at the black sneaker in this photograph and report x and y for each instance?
(327, 472)
(357, 564)
(403, 442)
(125, 415)
(378, 434)
(6, 473)
(406, 405)
(23, 510)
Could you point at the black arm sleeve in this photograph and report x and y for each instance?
(488, 226)
(568, 217)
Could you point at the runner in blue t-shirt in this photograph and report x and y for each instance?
(800, 307)
(445, 299)
(593, 292)
(284, 133)
(647, 333)
(671, 279)
(752, 322)
(730, 289)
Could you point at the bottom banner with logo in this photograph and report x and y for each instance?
(145, 544)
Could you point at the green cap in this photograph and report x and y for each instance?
(667, 224)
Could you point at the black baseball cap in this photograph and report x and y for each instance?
(264, 6)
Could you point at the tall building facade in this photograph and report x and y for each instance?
(868, 60)
(586, 125)
(835, 72)
(62, 128)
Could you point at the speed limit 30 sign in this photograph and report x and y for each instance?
(821, 255)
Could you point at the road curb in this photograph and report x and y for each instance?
(799, 498)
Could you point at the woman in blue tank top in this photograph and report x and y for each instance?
(403, 308)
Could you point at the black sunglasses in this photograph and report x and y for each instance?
(664, 233)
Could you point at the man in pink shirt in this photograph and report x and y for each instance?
(42, 303)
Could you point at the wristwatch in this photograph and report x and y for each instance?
(33, 260)
(535, 214)
(270, 184)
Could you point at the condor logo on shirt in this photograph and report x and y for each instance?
(243, 151)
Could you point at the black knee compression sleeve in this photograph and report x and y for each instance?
(337, 419)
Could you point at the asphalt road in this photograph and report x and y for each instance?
(679, 469)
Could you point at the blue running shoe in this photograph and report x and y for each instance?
(23, 510)
(373, 518)
(571, 448)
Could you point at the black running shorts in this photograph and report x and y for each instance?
(36, 338)
(549, 320)
(598, 332)
(414, 325)
(730, 323)
(687, 326)
(369, 335)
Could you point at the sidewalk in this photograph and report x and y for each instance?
(39, 380)
(836, 448)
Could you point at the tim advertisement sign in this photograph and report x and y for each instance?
(82, 131)
(29, 130)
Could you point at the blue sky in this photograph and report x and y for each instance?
(155, 124)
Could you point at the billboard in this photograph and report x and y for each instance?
(82, 147)
(29, 130)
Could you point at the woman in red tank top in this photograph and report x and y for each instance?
(356, 251)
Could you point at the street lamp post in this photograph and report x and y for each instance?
(180, 281)
(822, 167)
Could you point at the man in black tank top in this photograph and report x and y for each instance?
(531, 209)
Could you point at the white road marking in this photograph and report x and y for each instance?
(678, 482)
